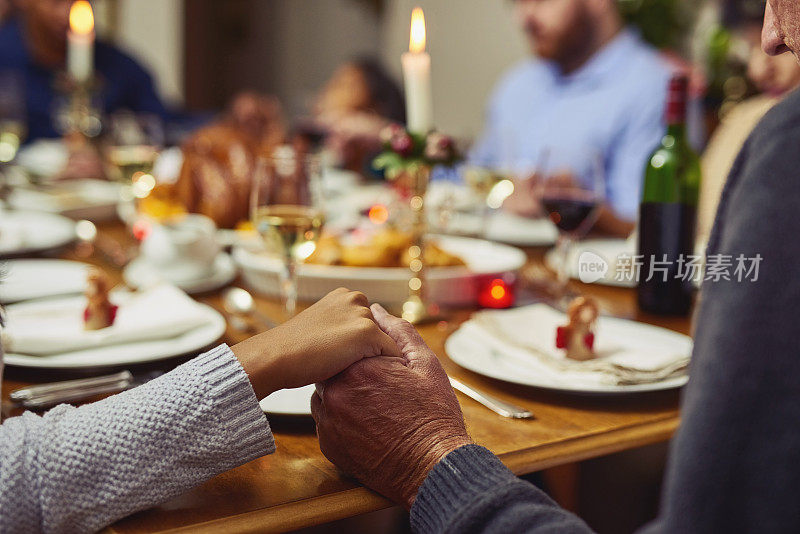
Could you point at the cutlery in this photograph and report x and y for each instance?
(496, 405)
(46, 395)
(239, 302)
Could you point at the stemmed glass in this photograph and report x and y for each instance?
(491, 186)
(285, 207)
(571, 187)
(12, 124)
(132, 144)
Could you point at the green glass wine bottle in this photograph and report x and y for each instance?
(668, 214)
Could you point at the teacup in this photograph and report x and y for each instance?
(184, 250)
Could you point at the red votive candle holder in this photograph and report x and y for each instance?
(497, 293)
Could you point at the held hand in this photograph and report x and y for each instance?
(388, 421)
(315, 345)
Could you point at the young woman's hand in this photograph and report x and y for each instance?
(315, 345)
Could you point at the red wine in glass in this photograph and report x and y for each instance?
(571, 213)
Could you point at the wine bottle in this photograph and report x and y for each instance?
(668, 214)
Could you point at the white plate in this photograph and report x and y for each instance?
(507, 228)
(289, 401)
(140, 273)
(44, 157)
(608, 249)
(130, 353)
(447, 286)
(31, 231)
(478, 357)
(34, 279)
(95, 200)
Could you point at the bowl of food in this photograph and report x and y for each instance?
(457, 267)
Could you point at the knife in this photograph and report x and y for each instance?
(46, 395)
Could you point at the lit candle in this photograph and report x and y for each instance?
(80, 42)
(417, 76)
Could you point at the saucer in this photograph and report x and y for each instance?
(141, 273)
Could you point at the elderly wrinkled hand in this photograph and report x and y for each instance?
(389, 420)
(315, 345)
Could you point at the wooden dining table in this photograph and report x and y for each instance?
(298, 487)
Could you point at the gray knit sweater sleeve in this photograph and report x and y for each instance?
(80, 469)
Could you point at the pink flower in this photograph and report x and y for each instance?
(403, 144)
(439, 147)
(389, 132)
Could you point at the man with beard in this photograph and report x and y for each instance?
(734, 464)
(593, 86)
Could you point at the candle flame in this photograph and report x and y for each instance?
(417, 41)
(81, 18)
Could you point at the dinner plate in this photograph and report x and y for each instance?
(95, 200)
(447, 286)
(295, 402)
(28, 232)
(44, 157)
(608, 251)
(34, 279)
(141, 273)
(478, 356)
(130, 353)
(506, 228)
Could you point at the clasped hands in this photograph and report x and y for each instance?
(383, 406)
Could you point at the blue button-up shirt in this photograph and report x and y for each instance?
(124, 84)
(613, 105)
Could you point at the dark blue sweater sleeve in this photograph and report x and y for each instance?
(735, 462)
(471, 491)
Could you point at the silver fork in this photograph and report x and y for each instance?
(496, 405)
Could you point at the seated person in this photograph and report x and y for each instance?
(593, 83)
(81, 469)
(773, 76)
(34, 42)
(353, 107)
(734, 463)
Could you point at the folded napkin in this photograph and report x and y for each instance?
(36, 279)
(12, 234)
(628, 352)
(55, 326)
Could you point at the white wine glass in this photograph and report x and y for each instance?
(12, 125)
(286, 212)
(491, 187)
(132, 145)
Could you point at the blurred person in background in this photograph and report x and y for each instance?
(592, 83)
(773, 77)
(33, 41)
(353, 107)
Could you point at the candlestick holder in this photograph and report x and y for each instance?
(415, 309)
(407, 158)
(77, 114)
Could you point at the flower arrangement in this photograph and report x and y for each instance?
(404, 151)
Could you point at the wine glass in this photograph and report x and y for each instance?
(286, 211)
(491, 186)
(132, 145)
(570, 184)
(12, 124)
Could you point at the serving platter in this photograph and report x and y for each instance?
(447, 286)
